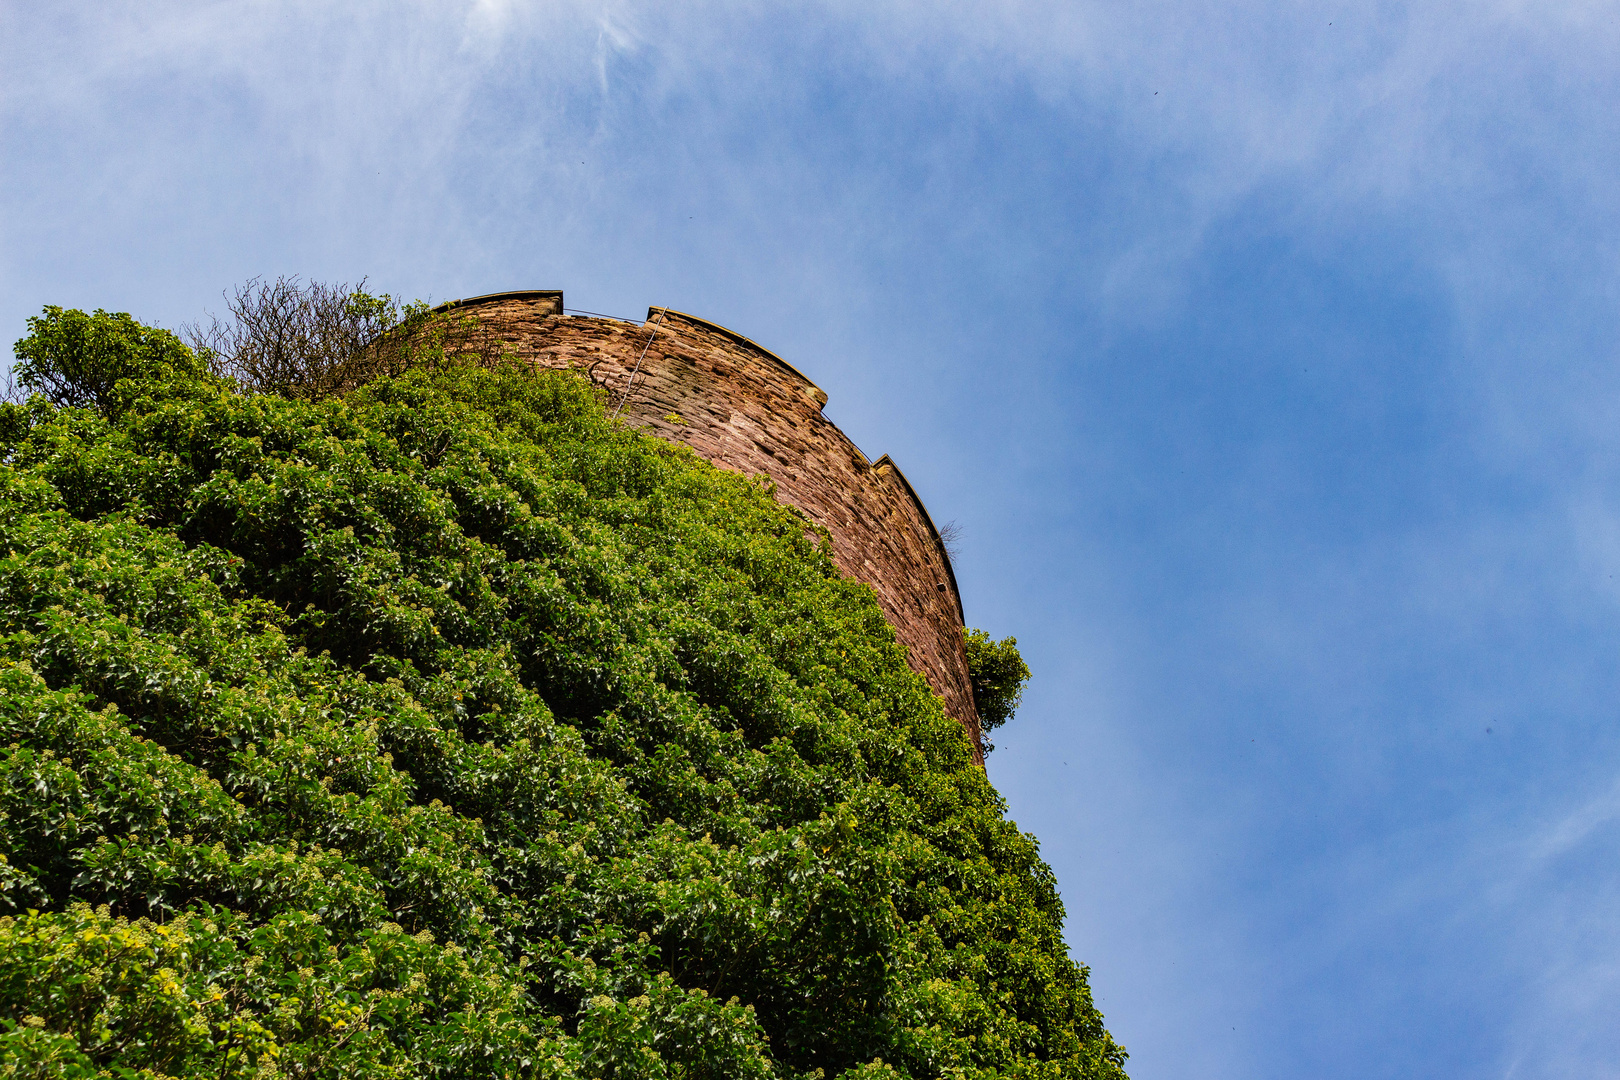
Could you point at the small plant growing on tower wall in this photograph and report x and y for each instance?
(998, 674)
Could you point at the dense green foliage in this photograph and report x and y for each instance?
(998, 674)
(448, 728)
(77, 360)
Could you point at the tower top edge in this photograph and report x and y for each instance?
(939, 541)
(517, 294)
(732, 335)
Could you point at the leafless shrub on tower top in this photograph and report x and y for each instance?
(313, 340)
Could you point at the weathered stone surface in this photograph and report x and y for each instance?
(743, 408)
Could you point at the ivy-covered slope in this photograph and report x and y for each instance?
(451, 729)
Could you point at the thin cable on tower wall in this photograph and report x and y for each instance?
(630, 385)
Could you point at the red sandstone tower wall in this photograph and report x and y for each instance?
(742, 407)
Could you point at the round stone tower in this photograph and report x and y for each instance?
(744, 408)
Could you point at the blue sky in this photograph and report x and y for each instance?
(1265, 353)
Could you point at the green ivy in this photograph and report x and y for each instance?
(450, 729)
(998, 674)
(78, 360)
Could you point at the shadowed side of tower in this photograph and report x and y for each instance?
(743, 408)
